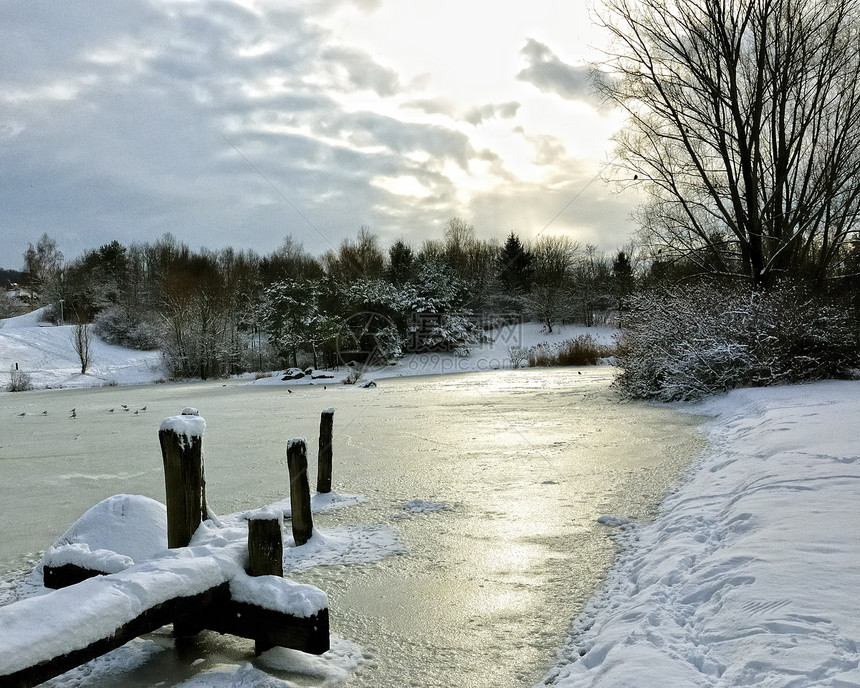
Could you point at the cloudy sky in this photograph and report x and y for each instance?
(236, 123)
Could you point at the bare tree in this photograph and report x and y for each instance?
(44, 261)
(359, 259)
(744, 127)
(82, 341)
(553, 260)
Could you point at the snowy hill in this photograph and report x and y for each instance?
(46, 353)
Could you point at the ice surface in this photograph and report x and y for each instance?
(424, 506)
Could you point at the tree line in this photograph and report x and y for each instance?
(215, 313)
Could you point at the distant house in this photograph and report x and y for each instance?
(21, 293)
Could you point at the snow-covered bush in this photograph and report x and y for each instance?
(10, 305)
(518, 355)
(692, 341)
(370, 320)
(455, 332)
(353, 375)
(120, 327)
(19, 380)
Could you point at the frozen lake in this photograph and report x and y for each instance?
(519, 464)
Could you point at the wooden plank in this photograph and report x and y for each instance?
(152, 619)
(270, 628)
(56, 577)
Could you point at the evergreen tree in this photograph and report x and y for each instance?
(622, 277)
(514, 266)
(401, 263)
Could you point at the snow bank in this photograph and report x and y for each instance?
(131, 526)
(748, 574)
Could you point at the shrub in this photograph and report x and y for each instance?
(10, 305)
(518, 356)
(118, 326)
(20, 381)
(697, 340)
(580, 351)
(352, 376)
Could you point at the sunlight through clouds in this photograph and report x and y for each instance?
(396, 115)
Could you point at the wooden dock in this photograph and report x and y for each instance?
(92, 612)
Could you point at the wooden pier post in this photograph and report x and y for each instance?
(265, 554)
(300, 491)
(265, 544)
(325, 453)
(181, 439)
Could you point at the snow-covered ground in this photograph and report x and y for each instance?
(750, 574)
(46, 353)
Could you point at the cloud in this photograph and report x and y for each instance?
(475, 116)
(478, 115)
(530, 211)
(362, 70)
(432, 106)
(549, 74)
(226, 125)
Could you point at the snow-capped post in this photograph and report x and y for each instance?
(265, 554)
(265, 544)
(324, 456)
(300, 491)
(181, 439)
